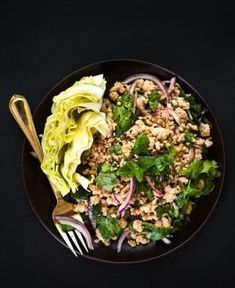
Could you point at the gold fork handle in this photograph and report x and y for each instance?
(19, 108)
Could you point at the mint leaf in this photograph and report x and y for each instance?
(66, 227)
(154, 233)
(106, 167)
(159, 166)
(189, 136)
(196, 108)
(123, 115)
(109, 227)
(167, 209)
(106, 181)
(141, 145)
(80, 193)
(208, 168)
(117, 149)
(131, 169)
(153, 100)
(141, 187)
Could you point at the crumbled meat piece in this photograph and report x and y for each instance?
(160, 133)
(123, 223)
(141, 239)
(148, 86)
(138, 225)
(182, 114)
(170, 193)
(132, 243)
(100, 237)
(204, 130)
(81, 206)
(114, 96)
(166, 223)
(183, 103)
(118, 87)
(208, 143)
(94, 200)
(192, 127)
(183, 180)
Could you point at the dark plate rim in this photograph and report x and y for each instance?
(222, 174)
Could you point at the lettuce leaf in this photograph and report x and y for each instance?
(69, 131)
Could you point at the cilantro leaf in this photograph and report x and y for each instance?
(197, 168)
(123, 115)
(117, 149)
(167, 209)
(80, 193)
(106, 180)
(141, 187)
(189, 136)
(196, 108)
(131, 169)
(141, 145)
(153, 100)
(109, 227)
(159, 165)
(66, 227)
(154, 233)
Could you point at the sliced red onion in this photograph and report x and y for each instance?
(125, 234)
(132, 88)
(166, 82)
(77, 225)
(173, 114)
(91, 216)
(117, 198)
(190, 116)
(166, 241)
(147, 77)
(126, 202)
(152, 186)
(32, 153)
(171, 87)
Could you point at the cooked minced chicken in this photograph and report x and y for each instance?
(148, 171)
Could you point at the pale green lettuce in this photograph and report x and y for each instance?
(69, 131)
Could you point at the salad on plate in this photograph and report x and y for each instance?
(133, 159)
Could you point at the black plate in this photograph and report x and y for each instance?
(42, 199)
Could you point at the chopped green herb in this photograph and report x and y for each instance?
(167, 209)
(109, 227)
(131, 169)
(153, 100)
(154, 233)
(66, 227)
(189, 137)
(117, 149)
(141, 145)
(137, 169)
(123, 115)
(106, 181)
(199, 167)
(141, 187)
(80, 193)
(196, 108)
(106, 167)
(204, 171)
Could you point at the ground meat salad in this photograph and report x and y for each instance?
(147, 173)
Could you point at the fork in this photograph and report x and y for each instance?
(63, 211)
